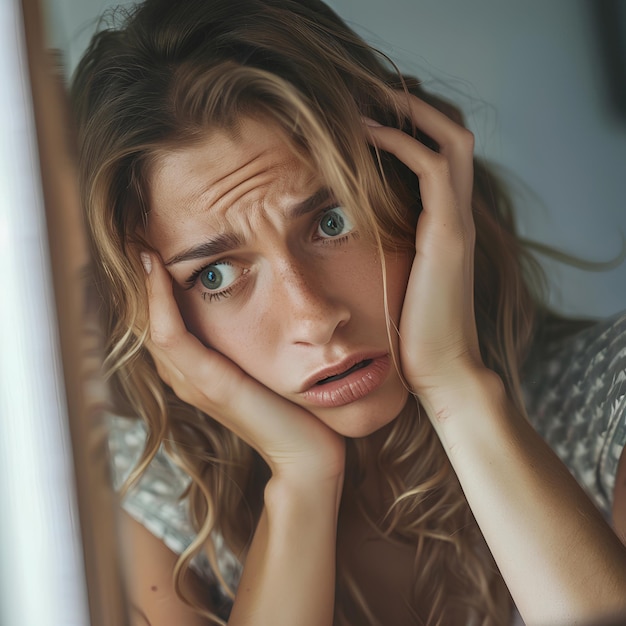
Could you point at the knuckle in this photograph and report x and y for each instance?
(466, 138)
(162, 337)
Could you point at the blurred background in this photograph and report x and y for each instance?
(543, 90)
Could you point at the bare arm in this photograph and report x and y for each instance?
(561, 561)
(300, 535)
(289, 572)
(148, 567)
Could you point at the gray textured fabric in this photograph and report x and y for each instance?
(575, 392)
(155, 501)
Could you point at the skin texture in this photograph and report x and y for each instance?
(299, 300)
(245, 365)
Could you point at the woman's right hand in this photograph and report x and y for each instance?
(294, 443)
(298, 523)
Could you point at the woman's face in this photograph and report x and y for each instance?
(269, 271)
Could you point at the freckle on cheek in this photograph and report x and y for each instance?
(153, 588)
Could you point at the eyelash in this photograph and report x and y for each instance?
(191, 281)
(218, 295)
(337, 241)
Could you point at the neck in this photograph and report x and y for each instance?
(370, 485)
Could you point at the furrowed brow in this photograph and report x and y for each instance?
(312, 203)
(226, 242)
(220, 244)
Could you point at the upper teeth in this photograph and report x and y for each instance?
(358, 366)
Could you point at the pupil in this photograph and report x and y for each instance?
(333, 224)
(211, 278)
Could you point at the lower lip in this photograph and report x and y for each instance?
(355, 386)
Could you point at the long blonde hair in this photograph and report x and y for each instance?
(176, 69)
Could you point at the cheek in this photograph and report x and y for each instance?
(237, 335)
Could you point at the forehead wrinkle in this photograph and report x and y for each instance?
(274, 202)
(204, 196)
(274, 189)
(199, 178)
(243, 196)
(249, 218)
(251, 186)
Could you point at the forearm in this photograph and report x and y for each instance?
(560, 559)
(289, 573)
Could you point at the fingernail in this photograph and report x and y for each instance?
(368, 121)
(147, 261)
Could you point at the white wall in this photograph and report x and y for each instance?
(529, 76)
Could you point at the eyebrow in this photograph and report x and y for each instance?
(312, 203)
(226, 242)
(220, 244)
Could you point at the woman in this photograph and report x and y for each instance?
(315, 300)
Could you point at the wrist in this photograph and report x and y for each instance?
(443, 399)
(323, 464)
(467, 406)
(286, 494)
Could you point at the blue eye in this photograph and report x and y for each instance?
(217, 276)
(334, 222)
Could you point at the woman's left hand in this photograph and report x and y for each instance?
(514, 484)
(438, 337)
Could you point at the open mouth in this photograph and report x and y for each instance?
(354, 368)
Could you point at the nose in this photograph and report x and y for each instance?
(311, 298)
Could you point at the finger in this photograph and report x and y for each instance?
(445, 131)
(445, 236)
(175, 348)
(163, 311)
(440, 201)
(198, 375)
(455, 141)
(209, 381)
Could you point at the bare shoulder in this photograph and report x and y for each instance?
(148, 565)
